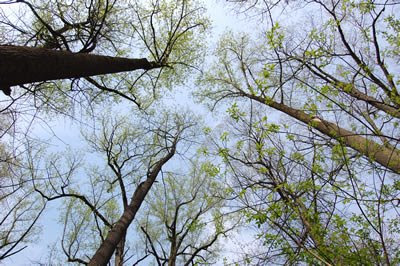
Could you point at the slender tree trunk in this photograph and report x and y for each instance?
(20, 65)
(387, 157)
(107, 248)
(174, 249)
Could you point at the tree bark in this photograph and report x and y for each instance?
(107, 248)
(388, 158)
(20, 65)
(174, 248)
(172, 255)
(119, 252)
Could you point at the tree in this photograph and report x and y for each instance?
(322, 180)
(330, 72)
(310, 151)
(134, 157)
(20, 65)
(184, 217)
(108, 246)
(169, 33)
(112, 28)
(305, 202)
(20, 207)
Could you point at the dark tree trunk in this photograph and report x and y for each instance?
(21, 64)
(173, 253)
(107, 248)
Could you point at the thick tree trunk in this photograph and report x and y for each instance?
(389, 158)
(20, 65)
(107, 248)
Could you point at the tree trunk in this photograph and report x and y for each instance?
(172, 255)
(119, 252)
(20, 65)
(174, 248)
(388, 158)
(107, 248)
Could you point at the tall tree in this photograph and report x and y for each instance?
(20, 65)
(118, 231)
(334, 77)
(322, 178)
(185, 216)
(307, 203)
(168, 33)
(134, 157)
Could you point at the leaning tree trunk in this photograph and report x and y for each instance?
(21, 64)
(387, 157)
(118, 232)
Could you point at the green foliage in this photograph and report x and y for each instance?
(275, 36)
(234, 112)
(392, 35)
(209, 169)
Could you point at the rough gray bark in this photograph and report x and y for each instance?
(20, 65)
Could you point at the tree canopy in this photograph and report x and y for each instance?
(296, 160)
